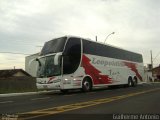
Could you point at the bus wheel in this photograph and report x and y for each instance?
(134, 81)
(86, 85)
(130, 82)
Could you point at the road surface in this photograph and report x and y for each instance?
(98, 104)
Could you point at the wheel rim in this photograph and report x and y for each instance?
(130, 83)
(135, 82)
(86, 85)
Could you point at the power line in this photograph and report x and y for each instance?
(22, 42)
(15, 53)
(156, 56)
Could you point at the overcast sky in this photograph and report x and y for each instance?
(27, 24)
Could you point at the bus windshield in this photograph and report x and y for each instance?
(53, 46)
(47, 68)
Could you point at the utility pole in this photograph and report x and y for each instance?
(96, 38)
(151, 64)
(151, 60)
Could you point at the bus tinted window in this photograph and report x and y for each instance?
(53, 46)
(94, 48)
(71, 55)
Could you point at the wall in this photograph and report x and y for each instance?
(148, 76)
(17, 84)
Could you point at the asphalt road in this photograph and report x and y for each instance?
(99, 104)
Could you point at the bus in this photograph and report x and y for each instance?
(71, 62)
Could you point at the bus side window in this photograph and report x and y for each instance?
(72, 56)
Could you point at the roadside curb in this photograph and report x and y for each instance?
(153, 83)
(17, 94)
(25, 93)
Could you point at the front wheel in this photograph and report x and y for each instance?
(86, 85)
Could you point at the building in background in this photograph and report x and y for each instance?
(152, 74)
(31, 67)
(156, 73)
(148, 74)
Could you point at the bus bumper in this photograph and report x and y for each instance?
(53, 86)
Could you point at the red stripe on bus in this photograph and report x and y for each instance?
(50, 79)
(94, 73)
(134, 69)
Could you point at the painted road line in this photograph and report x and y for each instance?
(60, 109)
(6, 102)
(43, 98)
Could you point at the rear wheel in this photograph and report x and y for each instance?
(130, 82)
(86, 85)
(134, 81)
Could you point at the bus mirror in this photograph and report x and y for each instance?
(38, 61)
(56, 58)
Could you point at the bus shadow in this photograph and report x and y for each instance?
(78, 91)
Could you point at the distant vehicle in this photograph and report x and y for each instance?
(76, 63)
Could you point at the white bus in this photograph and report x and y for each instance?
(76, 63)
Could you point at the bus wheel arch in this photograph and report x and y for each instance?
(87, 84)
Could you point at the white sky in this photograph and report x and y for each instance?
(26, 24)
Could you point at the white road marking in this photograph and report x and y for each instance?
(40, 98)
(6, 102)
